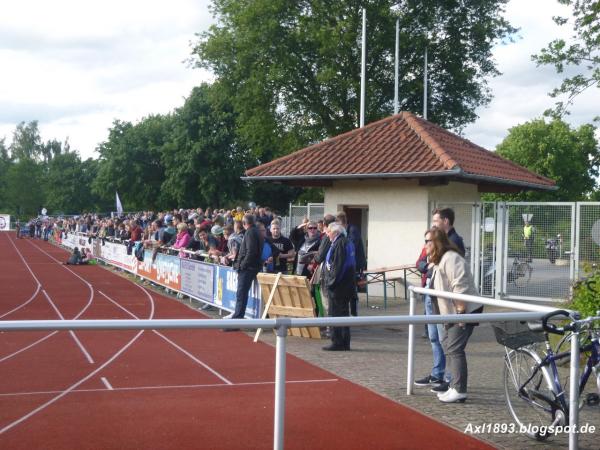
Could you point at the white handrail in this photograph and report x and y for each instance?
(280, 324)
(484, 301)
(574, 362)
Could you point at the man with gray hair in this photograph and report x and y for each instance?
(340, 266)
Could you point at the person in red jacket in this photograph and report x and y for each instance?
(136, 231)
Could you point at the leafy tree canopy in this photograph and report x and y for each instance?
(552, 149)
(26, 142)
(292, 69)
(580, 55)
(130, 162)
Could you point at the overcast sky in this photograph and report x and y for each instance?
(76, 66)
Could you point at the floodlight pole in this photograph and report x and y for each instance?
(425, 86)
(396, 65)
(363, 72)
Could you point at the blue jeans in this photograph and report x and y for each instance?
(434, 331)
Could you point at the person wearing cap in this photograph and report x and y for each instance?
(220, 247)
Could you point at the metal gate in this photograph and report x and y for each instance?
(587, 242)
(537, 264)
(562, 246)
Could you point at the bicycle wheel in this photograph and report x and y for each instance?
(522, 274)
(531, 404)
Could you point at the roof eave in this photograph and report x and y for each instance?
(504, 181)
(456, 172)
(353, 176)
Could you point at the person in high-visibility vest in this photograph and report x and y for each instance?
(528, 237)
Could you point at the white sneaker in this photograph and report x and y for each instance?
(228, 316)
(452, 396)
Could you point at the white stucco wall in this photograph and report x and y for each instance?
(398, 216)
(461, 197)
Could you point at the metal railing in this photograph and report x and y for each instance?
(538, 310)
(281, 327)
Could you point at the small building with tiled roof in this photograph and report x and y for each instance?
(391, 172)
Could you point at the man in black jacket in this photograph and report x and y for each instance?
(340, 266)
(444, 220)
(247, 264)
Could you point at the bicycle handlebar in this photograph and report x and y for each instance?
(551, 328)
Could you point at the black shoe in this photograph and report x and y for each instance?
(429, 381)
(228, 330)
(335, 348)
(442, 387)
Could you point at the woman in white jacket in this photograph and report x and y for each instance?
(451, 274)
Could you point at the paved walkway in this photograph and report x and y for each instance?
(378, 361)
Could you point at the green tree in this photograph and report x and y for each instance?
(580, 55)
(5, 163)
(130, 162)
(26, 142)
(53, 148)
(66, 187)
(292, 69)
(552, 149)
(203, 159)
(24, 187)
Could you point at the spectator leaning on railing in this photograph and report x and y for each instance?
(451, 274)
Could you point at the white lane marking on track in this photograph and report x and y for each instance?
(71, 332)
(28, 347)
(107, 384)
(70, 388)
(90, 287)
(177, 386)
(185, 352)
(84, 379)
(37, 290)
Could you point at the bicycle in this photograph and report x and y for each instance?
(535, 397)
(520, 273)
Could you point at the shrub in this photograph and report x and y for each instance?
(586, 295)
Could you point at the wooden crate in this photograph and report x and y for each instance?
(291, 299)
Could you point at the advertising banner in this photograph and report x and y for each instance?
(116, 254)
(164, 270)
(198, 279)
(73, 240)
(226, 288)
(4, 222)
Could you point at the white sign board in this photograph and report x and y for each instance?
(4, 222)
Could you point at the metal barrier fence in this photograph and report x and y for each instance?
(540, 311)
(282, 325)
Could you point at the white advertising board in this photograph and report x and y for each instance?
(4, 222)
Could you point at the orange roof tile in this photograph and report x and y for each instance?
(400, 146)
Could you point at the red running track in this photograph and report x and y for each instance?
(166, 389)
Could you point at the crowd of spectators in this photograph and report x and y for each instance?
(212, 235)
